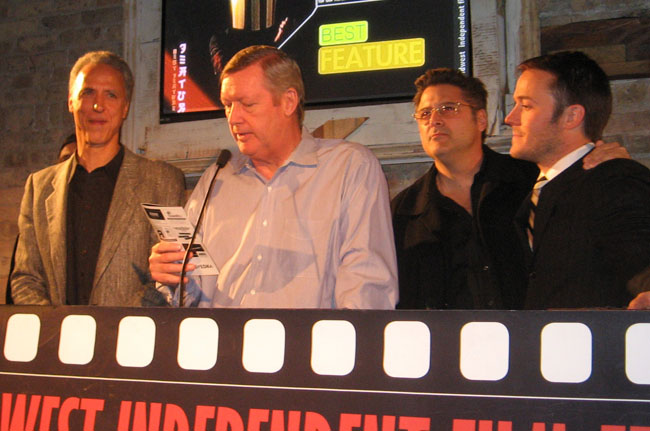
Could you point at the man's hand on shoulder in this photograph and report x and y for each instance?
(603, 152)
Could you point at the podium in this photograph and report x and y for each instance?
(148, 369)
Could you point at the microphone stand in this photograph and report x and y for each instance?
(223, 158)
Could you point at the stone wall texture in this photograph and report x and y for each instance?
(629, 123)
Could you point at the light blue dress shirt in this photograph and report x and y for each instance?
(318, 234)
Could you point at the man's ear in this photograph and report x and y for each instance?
(574, 116)
(70, 103)
(481, 119)
(290, 101)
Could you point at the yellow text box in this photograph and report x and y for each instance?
(343, 33)
(362, 57)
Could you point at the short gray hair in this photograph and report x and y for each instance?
(104, 57)
(281, 72)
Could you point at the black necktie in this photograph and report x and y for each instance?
(534, 197)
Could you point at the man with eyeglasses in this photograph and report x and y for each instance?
(457, 247)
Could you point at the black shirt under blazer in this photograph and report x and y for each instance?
(122, 275)
(592, 235)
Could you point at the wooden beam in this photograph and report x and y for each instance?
(338, 129)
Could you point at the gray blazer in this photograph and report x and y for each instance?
(122, 275)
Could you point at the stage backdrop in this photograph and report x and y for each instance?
(82, 368)
(349, 51)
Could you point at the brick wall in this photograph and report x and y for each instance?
(40, 40)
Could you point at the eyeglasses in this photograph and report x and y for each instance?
(445, 110)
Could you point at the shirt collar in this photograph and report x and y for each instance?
(112, 168)
(305, 154)
(566, 161)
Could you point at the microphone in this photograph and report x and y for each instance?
(222, 159)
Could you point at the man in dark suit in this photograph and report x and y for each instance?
(83, 238)
(586, 233)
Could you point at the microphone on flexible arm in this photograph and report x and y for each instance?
(222, 159)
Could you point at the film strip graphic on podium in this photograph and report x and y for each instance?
(127, 369)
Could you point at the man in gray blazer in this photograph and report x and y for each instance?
(83, 237)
